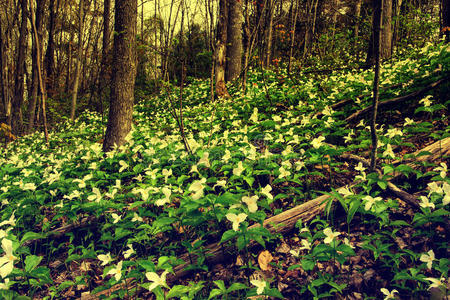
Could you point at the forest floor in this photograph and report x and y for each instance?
(263, 195)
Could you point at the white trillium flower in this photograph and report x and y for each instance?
(137, 218)
(442, 170)
(105, 258)
(157, 280)
(388, 294)
(436, 283)
(117, 271)
(428, 258)
(197, 188)
(251, 203)
(283, 172)
(7, 260)
(116, 218)
(425, 202)
(389, 152)
(97, 195)
(317, 142)
(167, 193)
(266, 192)
(5, 285)
(123, 166)
(306, 245)
(11, 221)
(129, 252)
(239, 169)
(260, 285)
(330, 235)
(370, 201)
(360, 167)
(236, 219)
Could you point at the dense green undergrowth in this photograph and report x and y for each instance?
(243, 160)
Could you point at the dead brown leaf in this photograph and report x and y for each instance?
(264, 258)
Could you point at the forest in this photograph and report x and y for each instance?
(224, 149)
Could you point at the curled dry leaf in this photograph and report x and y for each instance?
(239, 261)
(264, 258)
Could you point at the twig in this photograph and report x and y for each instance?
(398, 99)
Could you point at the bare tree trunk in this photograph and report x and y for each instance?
(49, 60)
(386, 31)
(386, 36)
(19, 88)
(4, 78)
(221, 89)
(445, 6)
(104, 76)
(234, 40)
(124, 72)
(357, 15)
(79, 55)
(38, 64)
(35, 80)
(269, 33)
(396, 13)
(377, 39)
(69, 61)
(293, 21)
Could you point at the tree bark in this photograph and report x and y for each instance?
(39, 73)
(221, 49)
(378, 9)
(295, 8)
(234, 37)
(445, 6)
(35, 80)
(49, 60)
(123, 72)
(4, 78)
(78, 67)
(396, 9)
(269, 33)
(104, 74)
(357, 14)
(19, 88)
(386, 35)
(386, 30)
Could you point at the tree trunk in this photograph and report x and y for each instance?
(269, 33)
(4, 78)
(234, 37)
(221, 49)
(19, 88)
(386, 35)
(386, 30)
(104, 74)
(445, 6)
(293, 27)
(357, 14)
(39, 72)
(397, 4)
(123, 72)
(79, 55)
(49, 59)
(378, 8)
(35, 80)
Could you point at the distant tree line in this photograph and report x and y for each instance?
(72, 46)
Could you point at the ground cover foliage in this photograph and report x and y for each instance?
(75, 222)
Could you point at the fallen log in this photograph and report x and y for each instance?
(405, 196)
(346, 101)
(281, 223)
(64, 229)
(439, 150)
(396, 100)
